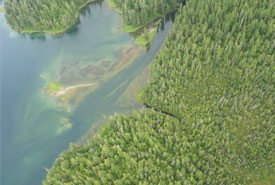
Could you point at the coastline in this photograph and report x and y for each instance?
(133, 29)
(141, 38)
(126, 27)
(52, 32)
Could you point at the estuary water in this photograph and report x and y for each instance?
(32, 134)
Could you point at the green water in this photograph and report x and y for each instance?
(32, 130)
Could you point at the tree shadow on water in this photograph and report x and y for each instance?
(87, 10)
(36, 36)
(74, 30)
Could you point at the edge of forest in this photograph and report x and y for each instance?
(141, 39)
(57, 32)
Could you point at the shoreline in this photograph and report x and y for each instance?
(132, 29)
(54, 33)
(135, 29)
(140, 37)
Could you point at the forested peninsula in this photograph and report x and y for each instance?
(212, 94)
(141, 17)
(47, 16)
(139, 13)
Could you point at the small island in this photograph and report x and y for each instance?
(67, 97)
(54, 87)
(57, 89)
(77, 79)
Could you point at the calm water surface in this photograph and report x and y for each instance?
(29, 121)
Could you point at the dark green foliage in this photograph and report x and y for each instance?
(147, 147)
(142, 12)
(52, 16)
(215, 73)
(216, 60)
(128, 149)
(217, 68)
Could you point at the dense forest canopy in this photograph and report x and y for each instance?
(215, 74)
(146, 148)
(125, 152)
(216, 69)
(51, 16)
(142, 12)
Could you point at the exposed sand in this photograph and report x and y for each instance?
(64, 91)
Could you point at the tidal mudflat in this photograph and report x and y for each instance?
(77, 77)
